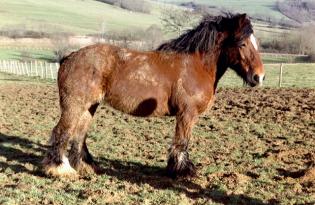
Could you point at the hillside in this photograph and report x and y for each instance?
(85, 17)
(74, 16)
(265, 8)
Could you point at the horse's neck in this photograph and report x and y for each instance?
(215, 66)
(221, 69)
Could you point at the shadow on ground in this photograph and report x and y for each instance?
(132, 172)
(137, 173)
(17, 158)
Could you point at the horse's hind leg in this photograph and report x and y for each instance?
(82, 160)
(179, 164)
(79, 155)
(56, 162)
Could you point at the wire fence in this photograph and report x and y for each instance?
(277, 75)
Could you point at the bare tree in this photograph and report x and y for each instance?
(177, 20)
(61, 45)
(298, 10)
(153, 36)
(308, 40)
(132, 5)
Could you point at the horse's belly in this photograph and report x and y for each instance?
(139, 100)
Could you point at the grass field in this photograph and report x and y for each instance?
(252, 7)
(81, 17)
(253, 147)
(74, 16)
(7, 53)
(294, 75)
(87, 16)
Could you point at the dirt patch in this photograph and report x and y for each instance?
(256, 146)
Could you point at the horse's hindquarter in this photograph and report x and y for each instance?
(142, 85)
(83, 75)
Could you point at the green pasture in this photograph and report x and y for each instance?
(74, 16)
(294, 75)
(28, 54)
(266, 7)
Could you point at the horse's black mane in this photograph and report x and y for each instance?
(202, 38)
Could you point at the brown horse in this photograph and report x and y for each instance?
(178, 79)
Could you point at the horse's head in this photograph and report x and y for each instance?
(240, 50)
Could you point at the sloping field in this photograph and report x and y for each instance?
(253, 147)
(266, 7)
(74, 16)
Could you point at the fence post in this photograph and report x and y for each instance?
(280, 75)
(26, 67)
(31, 68)
(51, 71)
(42, 69)
(22, 67)
(2, 68)
(36, 68)
(57, 69)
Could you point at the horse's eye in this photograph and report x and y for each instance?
(243, 45)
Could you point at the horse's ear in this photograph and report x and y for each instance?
(221, 37)
(242, 19)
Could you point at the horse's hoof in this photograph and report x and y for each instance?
(61, 171)
(64, 170)
(188, 170)
(85, 168)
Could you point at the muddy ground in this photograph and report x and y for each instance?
(254, 147)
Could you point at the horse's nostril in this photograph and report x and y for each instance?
(256, 78)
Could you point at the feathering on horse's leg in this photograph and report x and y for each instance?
(56, 162)
(81, 159)
(89, 161)
(179, 164)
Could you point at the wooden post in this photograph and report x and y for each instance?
(14, 67)
(42, 68)
(31, 69)
(51, 71)
(26, 67)
(2, 68)
(36, 68)
(46, 70)
(57, 69)
(18, 72)
(280, 75)
(21, 66)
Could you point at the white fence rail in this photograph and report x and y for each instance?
(32, 68)
(278, 75)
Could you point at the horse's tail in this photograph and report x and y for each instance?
(62, 60)
(65, 57)
(62, 67)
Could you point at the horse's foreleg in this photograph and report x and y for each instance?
(179, 164)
